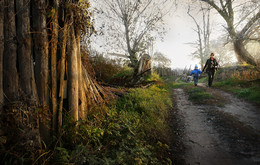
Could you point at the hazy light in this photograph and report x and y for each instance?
(175, 44)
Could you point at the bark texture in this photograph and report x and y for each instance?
(73, 76)
(1, 53)
(62, 74)
(10, 56)
(40, 49)
(24, 51)
(80, 80)
(54, 42)
(40, 53)
(144, 64)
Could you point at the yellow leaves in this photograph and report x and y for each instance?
(51, 13)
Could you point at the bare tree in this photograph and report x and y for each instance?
(203, 32)
(250, 18)
(135, 23)
(161, 60)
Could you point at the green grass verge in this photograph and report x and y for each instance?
(181, 85)
(249, 90)
(199, 95)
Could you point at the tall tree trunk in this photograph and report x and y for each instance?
(80, 83)
(1, 53)
(132, 54)
(54, 42)
(233, 35)
(40, 40)
(200, 48)
(62, 73)
(206, 35)
(73, 75)
(24, 51)
(10, 57)
(242, 53)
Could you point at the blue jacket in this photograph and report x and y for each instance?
(196, 72)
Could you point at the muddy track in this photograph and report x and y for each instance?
(212, 135)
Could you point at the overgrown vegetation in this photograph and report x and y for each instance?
(112, 71)
(132, 130)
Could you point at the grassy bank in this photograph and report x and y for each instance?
(245, 89)
(249, 90)
(242, 80)
(132, 130)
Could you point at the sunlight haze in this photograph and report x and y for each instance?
(175, 45)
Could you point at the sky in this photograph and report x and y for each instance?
(175, 45)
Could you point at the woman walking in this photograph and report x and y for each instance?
(211, 66)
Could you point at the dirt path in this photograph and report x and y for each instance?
(242, 110)
(224, 135)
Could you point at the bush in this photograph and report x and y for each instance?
(109, 68)
(122, 77)
(239, 72)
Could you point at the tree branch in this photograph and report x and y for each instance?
(223, 12)
(243, 33)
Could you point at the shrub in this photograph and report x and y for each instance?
(109, 68)
(239, 72)
(122, 77)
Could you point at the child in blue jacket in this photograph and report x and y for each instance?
(195, 74)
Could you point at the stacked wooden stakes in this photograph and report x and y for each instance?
(39, 54)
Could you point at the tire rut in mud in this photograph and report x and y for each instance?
(211, 136)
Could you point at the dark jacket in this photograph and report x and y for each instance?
(211, 65)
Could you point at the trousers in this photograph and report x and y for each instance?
(195, 79)
(211, 77)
